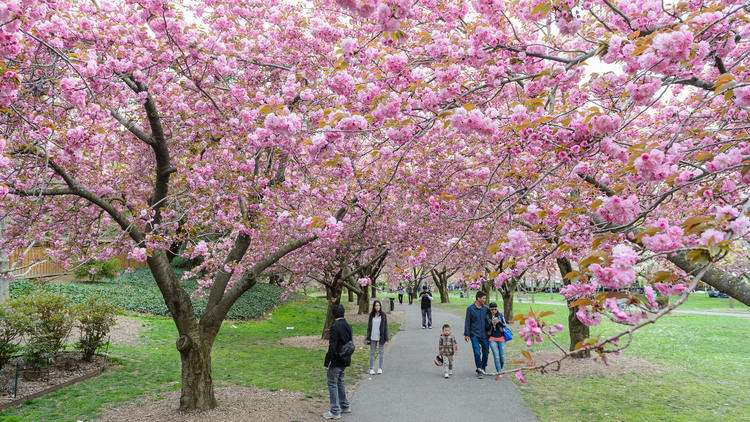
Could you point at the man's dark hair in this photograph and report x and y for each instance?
(481, 294)
(338, 311)
(446, 326)
(424, 287)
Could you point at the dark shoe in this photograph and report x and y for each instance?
(480, 373)
(346, 410)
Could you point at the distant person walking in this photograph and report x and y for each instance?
(447, 348)
(495, 324)
(377, 335)
(410, 292)
(475, 329)
(400, 293)
(426, 304)
(336, 363)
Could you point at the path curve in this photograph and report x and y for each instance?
(413, 389)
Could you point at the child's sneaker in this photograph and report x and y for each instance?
(450, 372)
(446, 375)
(329, 415)
(380, 371)
(372, 372)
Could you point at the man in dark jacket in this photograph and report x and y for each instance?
(475, 328)
(335, 365)
(426, 303)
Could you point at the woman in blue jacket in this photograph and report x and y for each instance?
(495, 324)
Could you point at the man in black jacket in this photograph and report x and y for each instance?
(335, 365)
(426, 298)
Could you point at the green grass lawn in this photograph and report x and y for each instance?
(696, 301)
(705, 377)
(250, 354)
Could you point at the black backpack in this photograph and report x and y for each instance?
(347, 349)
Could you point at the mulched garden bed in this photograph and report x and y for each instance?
(67, 369)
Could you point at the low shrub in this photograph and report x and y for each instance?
(51, 319)
(95, 317)
(13, 324)
(93, 270)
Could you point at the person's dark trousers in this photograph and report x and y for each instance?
(337, 390)
(427, 314)
(400, 298)
(410, 298)
(480, 356)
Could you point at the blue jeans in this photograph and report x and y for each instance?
(337, 390)
(480, 359)
(427, 316)
(498, 352)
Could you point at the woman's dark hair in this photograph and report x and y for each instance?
(493, 305)
(372, 313)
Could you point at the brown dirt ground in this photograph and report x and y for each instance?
(235, 404)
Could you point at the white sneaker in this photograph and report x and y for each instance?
(372, 372)
(329, 415)
(446, 375)
(450, 372)
(380, 371)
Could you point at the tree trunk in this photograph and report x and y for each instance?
(363, 301)
(578, 330)
(4, 282)
(350, 294)
(441, 282)
(507, 292)
(333, 294)
(374, 289)
(197, 385)
(486, 287)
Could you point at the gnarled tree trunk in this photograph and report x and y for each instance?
(578, 330)
(333, 295)
(507, 291)
(350, 295)
(197, 385)
(440, 278)
(363, 301)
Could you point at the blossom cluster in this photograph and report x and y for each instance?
(474, 121)
(619, 209)
(620, 273)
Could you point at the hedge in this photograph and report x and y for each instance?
(138, 292)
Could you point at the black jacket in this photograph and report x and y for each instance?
(341, 332)
(495, 330)
(426, 298)
(383, 328)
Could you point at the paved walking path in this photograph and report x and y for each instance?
(678, 311)
(413, 389)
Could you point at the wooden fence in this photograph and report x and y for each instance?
(45, 267)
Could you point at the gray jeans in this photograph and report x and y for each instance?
(447, 363)
(427, 313)
(373, 347)
(337, 390)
